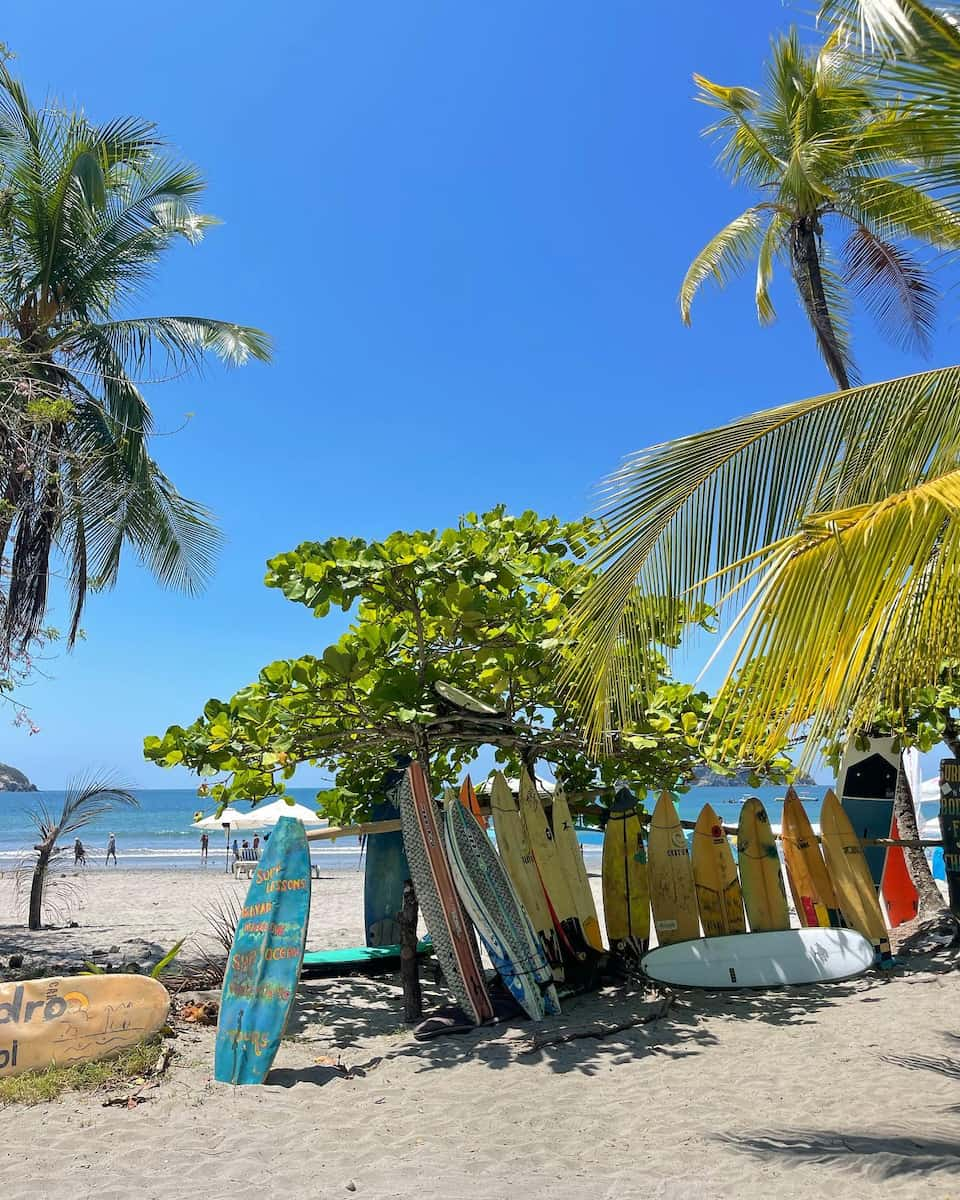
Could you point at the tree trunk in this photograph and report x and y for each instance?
(36, 886)
(809, 280)
(929, 901)
(409, 970)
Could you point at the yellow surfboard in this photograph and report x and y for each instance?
(555, 873)
(571, 859)
(626, 888)
(851, 876)
(812, 889)
(513, 845)
(761, 879)
(673, 896)
(715, 875)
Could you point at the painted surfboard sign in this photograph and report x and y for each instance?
(384, 875)
(950, 827)
(264, 963)
(76, 1019)
(774, 959)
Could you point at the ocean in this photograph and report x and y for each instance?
(157, 836)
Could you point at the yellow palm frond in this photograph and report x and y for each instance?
(679, 514)
(849, 614)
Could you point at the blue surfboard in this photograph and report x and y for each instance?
(264, 963)
(385, 873)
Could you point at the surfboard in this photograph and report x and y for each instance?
(468, 798)
(673, 896)
(773, 959)
(851, 875)
(814, 897)
(358, 960)
(264, 963)
(867, 786)
(626, 888)
(497, 912)
(571, 859)
(445, 919)
(555, 873)
(715, 876)
(761, 880)
(76, 1019)
(385, 873)
(513, 846)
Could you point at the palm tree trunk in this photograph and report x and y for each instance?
(809, 280)
(929, 901)
(44, 851)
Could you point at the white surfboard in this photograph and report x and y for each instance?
(743, 960)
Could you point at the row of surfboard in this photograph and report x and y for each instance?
(532, 906)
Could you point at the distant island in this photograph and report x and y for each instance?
(704, 777)
(12, 780)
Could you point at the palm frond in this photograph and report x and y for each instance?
(726, 255)
(88, 797)
(894, 287)
(680, 512)
(883, 25)
(184, 340)
(771, 247)
(849, 614)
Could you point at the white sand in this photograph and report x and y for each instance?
(850, 1090)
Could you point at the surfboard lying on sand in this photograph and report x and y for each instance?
(513, 846)
(673, 896)
(76, 1019)
(761, 879)
(358, 960)
(787, 956)
(442, 911)
(626, 889)
(715, 875)
(814, 896)
(495, 909)
(264, 963)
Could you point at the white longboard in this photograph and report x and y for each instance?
(743, 960)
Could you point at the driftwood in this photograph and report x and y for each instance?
(598, 1030)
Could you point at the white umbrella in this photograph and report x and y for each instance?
(271, 813)
(544, 787)
(230, 816)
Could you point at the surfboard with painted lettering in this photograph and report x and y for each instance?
(265, 959)
(76, 1019)
(715, 875)
(673, 895)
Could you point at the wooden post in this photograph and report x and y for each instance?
(409, 969)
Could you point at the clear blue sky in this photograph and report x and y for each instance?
(465, 226)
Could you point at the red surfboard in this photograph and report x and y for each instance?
(896, 886)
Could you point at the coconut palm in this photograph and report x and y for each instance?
(83, 802)
(86, 213)
(824, 154)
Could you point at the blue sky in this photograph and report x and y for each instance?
(465, 226)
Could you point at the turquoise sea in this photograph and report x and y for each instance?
(158, 834)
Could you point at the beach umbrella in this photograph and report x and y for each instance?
(230, 820)
(270, 814)
(545, 787)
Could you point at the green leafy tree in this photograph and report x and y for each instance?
(87, 212)
(479, 607)
(827, 154)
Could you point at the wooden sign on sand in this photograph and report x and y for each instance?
(76, 1019)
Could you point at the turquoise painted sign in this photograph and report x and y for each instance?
(265, 959)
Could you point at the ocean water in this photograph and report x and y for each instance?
(157, 835)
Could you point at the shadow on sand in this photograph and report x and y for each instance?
(881, 1155)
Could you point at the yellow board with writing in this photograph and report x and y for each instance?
(673, 897)
(715, 874)
(761, 879)
(851, 876)
(76, 1019)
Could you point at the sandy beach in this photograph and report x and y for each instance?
(850, 1089)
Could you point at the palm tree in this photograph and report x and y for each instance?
(86, 213)
(84, 801)
(825, 154)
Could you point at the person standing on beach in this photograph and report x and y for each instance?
(79, 854)
(204, 847)
(256, 845)
(111, 850)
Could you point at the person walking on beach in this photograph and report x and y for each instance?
(204, 847)
(79, 854)
(236, 848)
(111, 850)
(256, 845)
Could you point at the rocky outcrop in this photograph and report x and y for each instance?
(704, 777)
(12, 780)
